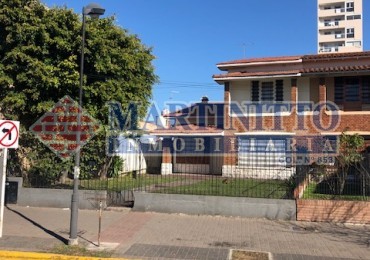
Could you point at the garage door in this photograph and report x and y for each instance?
(188, 158)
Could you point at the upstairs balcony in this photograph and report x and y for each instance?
(331, 12)
(330, 25)
(334, 37)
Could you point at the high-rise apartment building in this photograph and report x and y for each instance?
(339, 26)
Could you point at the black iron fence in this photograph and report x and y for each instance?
(271, 182)
(236, 180)
(335, 182)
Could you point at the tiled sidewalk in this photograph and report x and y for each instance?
(177, 236)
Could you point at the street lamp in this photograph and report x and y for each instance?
(94, 11)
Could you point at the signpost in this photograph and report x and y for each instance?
(9, 135)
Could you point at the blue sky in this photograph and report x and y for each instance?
(190, 36)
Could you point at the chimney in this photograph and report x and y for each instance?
(205, 99)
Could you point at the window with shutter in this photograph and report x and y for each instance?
(279, 90)
(267, 91)
(366, 90)
(338, 90)
(255, 91)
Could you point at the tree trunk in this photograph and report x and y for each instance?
(342, 179)
(103, 173)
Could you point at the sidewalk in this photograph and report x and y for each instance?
(174, 236)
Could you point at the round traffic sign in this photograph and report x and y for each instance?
(8, 134)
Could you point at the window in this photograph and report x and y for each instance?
(351, 33)
(279, 90)
(262, 152)
(354, 43)
(255, 91)
(267, 91)
(339, 34)
(353, 17)
(352, 89)
(327, 23)
(338, 90)
(366, 90)
(350, 6)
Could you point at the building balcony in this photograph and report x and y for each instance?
(332, 25)
(331, 12)
(337, 37)
(328, 49)
(350, 48)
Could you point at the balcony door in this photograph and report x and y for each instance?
(351, 92)
(352, 100)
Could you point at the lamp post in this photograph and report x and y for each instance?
(94, 11)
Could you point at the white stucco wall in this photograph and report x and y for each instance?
(303, 85)
(240, 91)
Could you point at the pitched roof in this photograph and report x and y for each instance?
(255, 74)
(188, 129)
(334, 69)
(333, 56)
(263, 59)
(188, 110)
(312, 57)
(308, 64)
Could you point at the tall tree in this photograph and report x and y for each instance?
(39, 54)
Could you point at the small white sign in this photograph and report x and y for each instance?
(9, 134)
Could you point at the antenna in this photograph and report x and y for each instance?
(245, 48)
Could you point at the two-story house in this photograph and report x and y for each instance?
(274, 105)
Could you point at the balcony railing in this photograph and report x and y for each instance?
(329, 49)
(339, 36)
(333, 23)
(331, 12)
(340, 10)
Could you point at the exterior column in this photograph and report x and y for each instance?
(229, 152)
(294, 95)
(294, 91)
(166, 166)
(227, 105)
(322, 90)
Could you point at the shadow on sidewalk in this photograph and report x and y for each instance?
(49, 232)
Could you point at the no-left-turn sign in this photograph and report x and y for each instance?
(9, 134)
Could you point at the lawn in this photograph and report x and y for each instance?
(322, 191)
(237, 187)
(189, 184)
(128, 182)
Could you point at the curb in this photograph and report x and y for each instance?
(33, 255)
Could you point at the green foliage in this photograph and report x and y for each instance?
(350, 149)
(40, 63)
(349, 156)
(43, 168)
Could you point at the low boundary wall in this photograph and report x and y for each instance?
(57, 198)
(357, 212)
(214, 205)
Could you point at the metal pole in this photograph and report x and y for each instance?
(100, 215)
(73, 240)
(3, 180)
